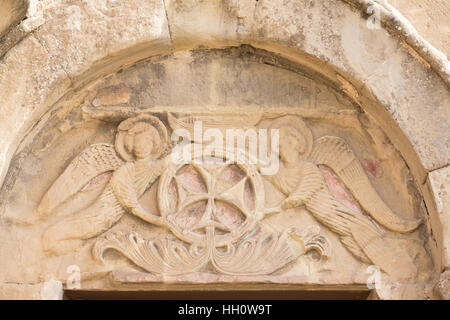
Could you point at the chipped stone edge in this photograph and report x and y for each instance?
(394, 22)
(16, 33)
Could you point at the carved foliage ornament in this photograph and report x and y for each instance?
(213, 209)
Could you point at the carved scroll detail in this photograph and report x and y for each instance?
(160, 256)
(171, 257)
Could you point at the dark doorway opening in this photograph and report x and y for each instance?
(357, 294)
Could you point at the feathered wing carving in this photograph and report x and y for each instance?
(69, 233)
(357, 232)
(91, 162)
(128, 183)
(335, 153)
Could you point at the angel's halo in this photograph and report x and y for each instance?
(298, 124)
(127, 124)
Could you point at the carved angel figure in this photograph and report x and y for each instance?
(302, 181)
(135, 163)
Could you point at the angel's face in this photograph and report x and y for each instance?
(143, 145)
(292, 145)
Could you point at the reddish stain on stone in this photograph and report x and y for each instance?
(339, 190)
(372, 167)
(101, 179)
(233, 174)
(113, 95)
(191, 215)
(229, 216)
(191, 179)
(228, 178)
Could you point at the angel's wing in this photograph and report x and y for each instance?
(360, 235)
(335, 153)
(68, 234)
(91, 162)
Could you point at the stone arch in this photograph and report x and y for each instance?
(67, 47)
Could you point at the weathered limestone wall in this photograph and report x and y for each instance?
(64, 47)
(12, 13)
(430, 18)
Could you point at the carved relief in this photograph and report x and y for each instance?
(140, 142)
(212, 219)
(301, 180)
(214, 238)
(213, 210)
(93, 185)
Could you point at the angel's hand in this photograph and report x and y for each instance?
(159, 165)
(42, 210)
(268, 211)
(290, 203)
(163, 163)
